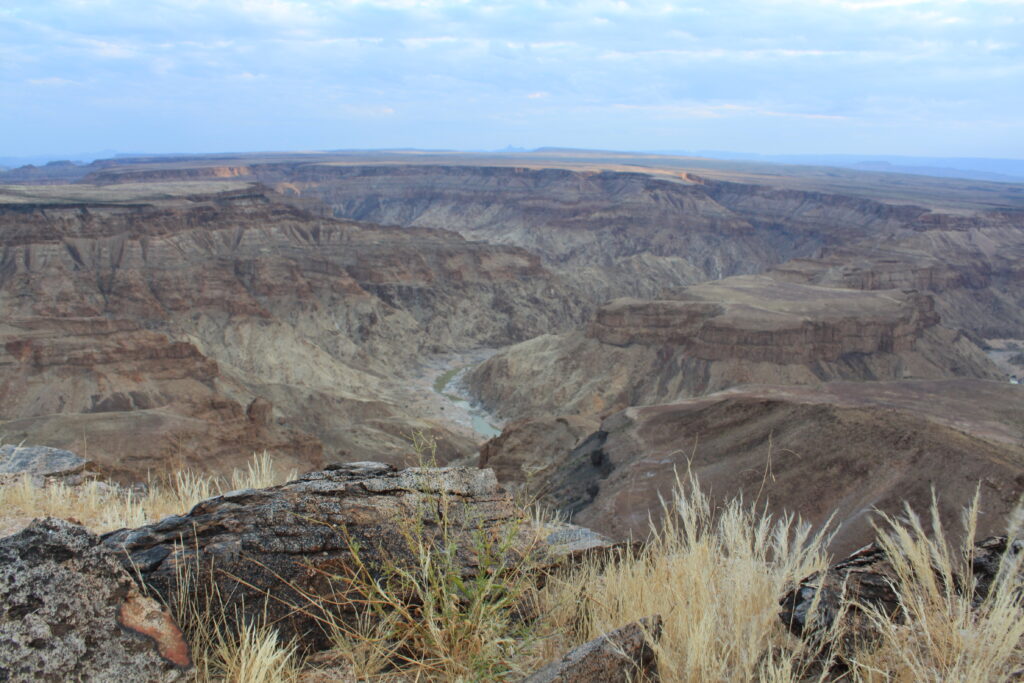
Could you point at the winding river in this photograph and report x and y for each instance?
(449, 401)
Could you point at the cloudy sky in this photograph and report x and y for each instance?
(915, 77)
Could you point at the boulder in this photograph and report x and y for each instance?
(867, 577)
(41, 463)
(274, 551)
(72, 612)
(625, 654)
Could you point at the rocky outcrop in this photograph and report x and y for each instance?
(975, 287)
(272, 551)
(72, 612)
(625, 654)
(527, 451)
(756, 319)
(135, 398)
(41, 463)
(839, 451)
(709, 337)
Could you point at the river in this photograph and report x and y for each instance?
(444, 397)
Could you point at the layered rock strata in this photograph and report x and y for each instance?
(741, 330)
(161, 312)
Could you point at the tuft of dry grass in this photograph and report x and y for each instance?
(423, 618)
(103, 507)
(222, 653)
(714, 576)
(945, 633)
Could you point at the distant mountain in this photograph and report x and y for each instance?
(972, 168)
(41, 159)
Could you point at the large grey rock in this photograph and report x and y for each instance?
(40, 462)
(625, 654)
(271, 550)
(70, 611)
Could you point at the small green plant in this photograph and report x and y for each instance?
(442, 380)
(431, 611)
(424, 446)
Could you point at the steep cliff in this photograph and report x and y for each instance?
(741, 330)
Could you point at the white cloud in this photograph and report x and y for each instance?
(52, 81)
(704, 111)
(366, 110)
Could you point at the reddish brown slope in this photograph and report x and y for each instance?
(798, 453)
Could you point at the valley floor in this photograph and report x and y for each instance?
(435, 393)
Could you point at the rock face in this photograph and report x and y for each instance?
(741, 330)
(267, 548)
(841, 449)
(165, 297)
(72, 612)
(625, 654)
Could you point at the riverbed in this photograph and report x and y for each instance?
(440, 395)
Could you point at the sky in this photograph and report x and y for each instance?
(908, 77)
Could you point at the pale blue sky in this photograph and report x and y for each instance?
(929, 78)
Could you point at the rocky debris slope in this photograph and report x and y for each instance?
(528, 451)
(169, 313)
(72, 612)
(273, 550)
(843, 449)
(741, 330)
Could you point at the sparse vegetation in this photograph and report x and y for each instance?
(427, 620)
(714, 575)
(443, 379)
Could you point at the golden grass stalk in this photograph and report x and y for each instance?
(945, 633)
(715, 577)
(103, 507)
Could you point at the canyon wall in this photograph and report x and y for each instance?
(741, 330)
(185, 310)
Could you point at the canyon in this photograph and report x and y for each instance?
(170, 311)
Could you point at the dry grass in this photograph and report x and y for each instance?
(421, 618)
(946, 635)
(714, 575)
(102, 507)
(251, 653)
